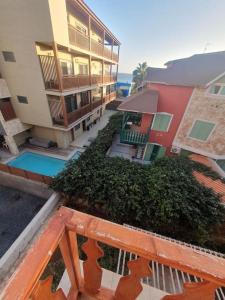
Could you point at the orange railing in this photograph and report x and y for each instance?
(96, 104)
(79, 113)
(26, 174)
(96, 47)
(75, 81)
(62, 231)
(115, 56)
(78, 39)
(96, 79)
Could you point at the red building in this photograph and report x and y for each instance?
(152, 118)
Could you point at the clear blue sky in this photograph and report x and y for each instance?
(160, 30)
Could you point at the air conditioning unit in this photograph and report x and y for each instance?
(175, 150)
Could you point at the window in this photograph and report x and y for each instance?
(77, 127)
(217, 89)
(83, 69)
(96, 94)
(67, 67)
(71, 103)
(161, 122)
(222, 91)
(8, 56)
(84, 98)
(22, 99)
(201, 130)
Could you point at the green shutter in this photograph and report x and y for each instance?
(148, 151)
(201, 130)
(161, 152)
(161, 122)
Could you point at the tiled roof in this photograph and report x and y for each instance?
(197, 70)
(145, 101)
(216, 185)
(201, 159)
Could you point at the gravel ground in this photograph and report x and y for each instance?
(17, 209)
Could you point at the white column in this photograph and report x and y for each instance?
(10, 141)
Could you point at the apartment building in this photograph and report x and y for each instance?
(181, 108)
(60, 63)
(12, 130)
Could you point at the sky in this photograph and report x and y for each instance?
(156, 31)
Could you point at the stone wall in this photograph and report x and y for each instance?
(203, 106)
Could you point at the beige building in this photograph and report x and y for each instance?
(202, 129)
(60, 63)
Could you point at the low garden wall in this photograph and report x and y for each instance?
(25, 174)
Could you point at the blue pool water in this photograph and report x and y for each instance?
(41, 164)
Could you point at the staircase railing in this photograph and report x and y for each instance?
(62, 231)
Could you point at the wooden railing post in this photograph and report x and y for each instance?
(92, 270)
(129, 287)
(67, 254)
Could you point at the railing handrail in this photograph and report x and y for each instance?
(147, 246)
(75, 29)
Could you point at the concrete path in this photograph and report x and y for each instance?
(83, 139)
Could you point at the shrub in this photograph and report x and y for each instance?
(164, 197)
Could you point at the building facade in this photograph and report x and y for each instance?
(190, 110)
(60, 63)
(203, 126)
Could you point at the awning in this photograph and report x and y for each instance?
(145, 101)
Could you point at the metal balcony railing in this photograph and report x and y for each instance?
(133, 137)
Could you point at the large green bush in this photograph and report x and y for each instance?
(164, 197)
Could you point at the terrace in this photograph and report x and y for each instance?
(88, 280)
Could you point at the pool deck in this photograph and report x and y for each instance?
(17, 209)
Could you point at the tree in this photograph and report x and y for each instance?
(163, 197)
(139, 74)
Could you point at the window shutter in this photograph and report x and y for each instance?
(161, 122)
(201, 130)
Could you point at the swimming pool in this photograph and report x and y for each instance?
(40, 164)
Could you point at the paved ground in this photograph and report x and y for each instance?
(16, 210)
(83, 139)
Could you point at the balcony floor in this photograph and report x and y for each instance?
(110, 281)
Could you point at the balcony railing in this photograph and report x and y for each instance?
(115, 57)
(7, 110)
(96, 104)
(107, 53)
(110, 97)
(78, 39)
(96, 79)
(76, 81)
(62, 231)
(79, 113)
(96, 47)
(82, 41)
(133, 137)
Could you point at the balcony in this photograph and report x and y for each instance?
(87, 280)
(76, 81)
(78, 39)
(110, 97)
(7, 110)
(96, 104)
(79, 113)
(133, 137)
(83, 41)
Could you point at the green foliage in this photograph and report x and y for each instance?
(164, 197)
(139, 74)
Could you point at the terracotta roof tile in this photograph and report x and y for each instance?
(217, 185)
(201, 159)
